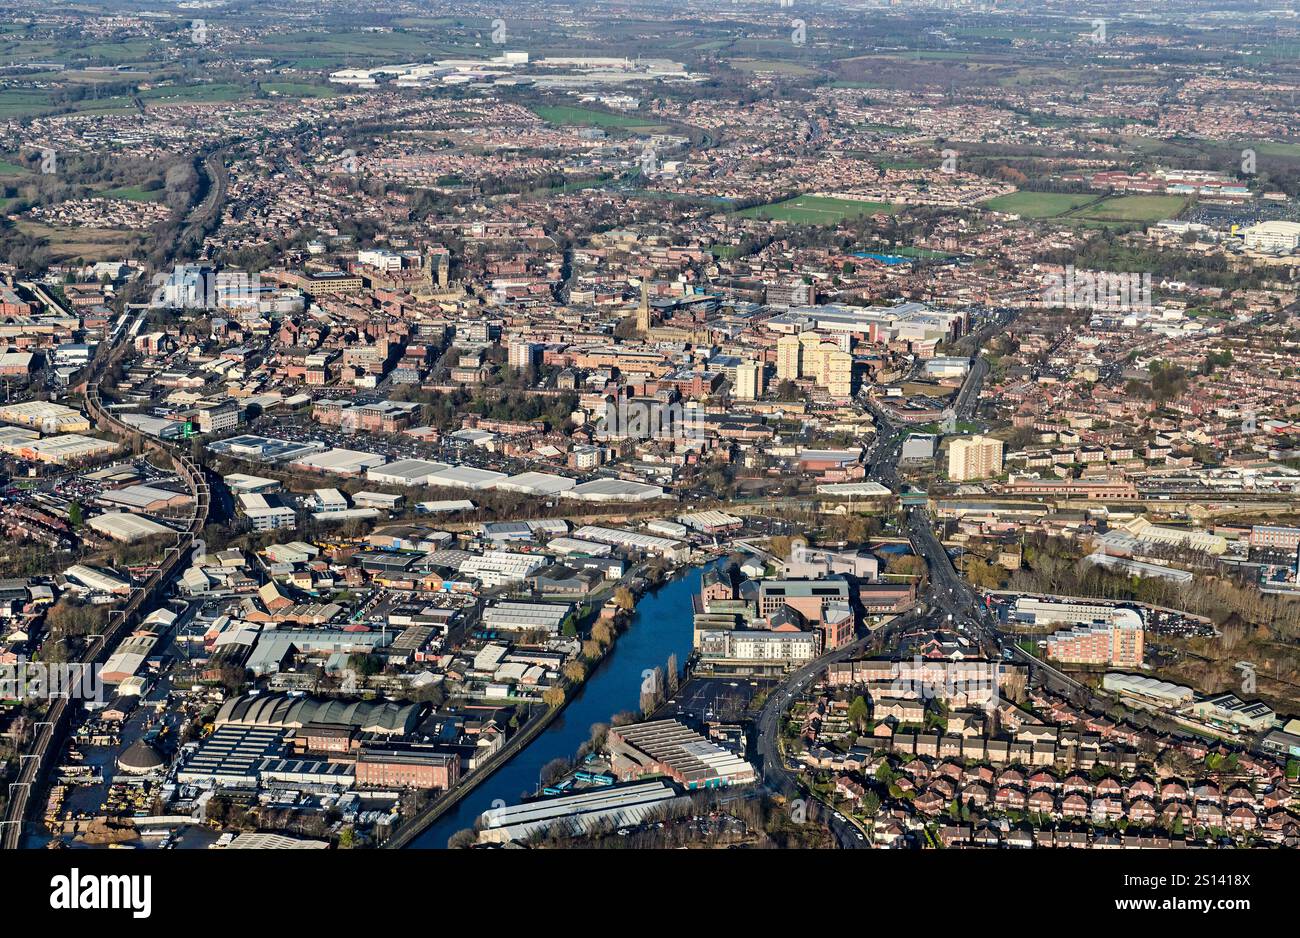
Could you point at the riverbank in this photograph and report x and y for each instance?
(662, 625)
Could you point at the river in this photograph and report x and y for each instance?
(661, 626)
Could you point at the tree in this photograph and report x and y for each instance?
(624, 599)
(74, 515)
(858, 713)
(462, 839)
(575, 671)
(554, 697)
(553, 771)
(672, 673)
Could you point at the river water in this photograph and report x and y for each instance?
(661, 626)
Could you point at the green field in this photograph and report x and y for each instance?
(12, 169)
(1038, 204)
(567, 115)
(1124, 209)
(815, 210)
(297, 89)
(774, 66)
(193, 94)
(20, 103)
(1085, 209)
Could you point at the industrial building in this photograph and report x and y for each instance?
(498, 567)
(61, 450)
(126, 527)
(510, 616)
(340, 462)
(580, 814)
(614, 490)
(1147, 690)
(664, 547)
(406, 472)
(45, 416)
(282, 711)
(667, 747)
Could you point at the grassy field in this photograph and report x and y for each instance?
(1085, 209)
(1127, 209)
(12, 169)
(773, 66)
(568, 115)
(1038, 204)
(815, 210)
(193, 94)
(297, 89)
(85, 244)
(20, 103)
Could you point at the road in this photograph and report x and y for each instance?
(948, 597)
(776, 776)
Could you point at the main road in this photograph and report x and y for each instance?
(947, 596)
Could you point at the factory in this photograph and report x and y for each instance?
(579, 814)
(667, 747)
(126, 527)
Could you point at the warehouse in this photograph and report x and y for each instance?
(127, 528)
(511, 616)
(536, 483)
(671, 748)
(146, 498)
(316, 774)
(62, 450)
(348, 514)
(407, 472)
(274, 647)
(666, 528)
(1147, 689)
(381, 500)
(16, 437)
(614, 490)
(282, 711)
(231, 756)
(466, 477)
(45, 416)
(341, 462)
(498, 567)
(670, 549)
(128, 659)
(502, 531)
(583, 813)
(564, 546)
(96, 581)
(852, 490)
(240, 483)
(711, 522)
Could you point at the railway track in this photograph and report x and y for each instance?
(50, 732)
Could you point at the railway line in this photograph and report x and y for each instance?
(50, 732)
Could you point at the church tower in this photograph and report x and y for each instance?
(643, 311)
